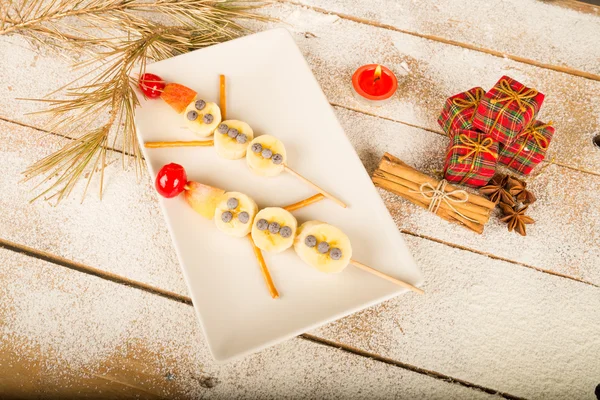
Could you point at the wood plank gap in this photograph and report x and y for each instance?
(409, 367)
(579, 6)
(333, 104)
(495, 53)
(495, 257)
(23, 124)
(450, 244)
(63, 262)
(358, 110)
(560, 164)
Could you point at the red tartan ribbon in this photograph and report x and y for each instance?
(511, 96)
(532, 132)
(475, 148)
(464, 104)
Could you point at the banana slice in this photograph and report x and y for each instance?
(266, 156)
(202, 117)
(232, 138)
(234, 214)
(323, 246)
(274, 229)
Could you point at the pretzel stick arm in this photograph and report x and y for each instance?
(191, 143)
(265, 271)
(303, 203)
(223, 96)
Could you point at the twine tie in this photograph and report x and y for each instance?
(438, 195)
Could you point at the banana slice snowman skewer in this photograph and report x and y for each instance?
(272, 229)
(232, 212)
(232, 138)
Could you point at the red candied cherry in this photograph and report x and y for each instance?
(171, 180)
(152, 85)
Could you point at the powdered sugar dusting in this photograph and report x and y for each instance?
(526, 28)
(69, 333)
(486, 321)
(437, 72)
(123, 233)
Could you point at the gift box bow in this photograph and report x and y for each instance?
(475, 148)
(533, 135)
(511, 96)
(471, 101)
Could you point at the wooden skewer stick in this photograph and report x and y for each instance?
(312, 185)
(223, 97)
(265, 271)
(303, 203)
(386, 277)
(191, 143)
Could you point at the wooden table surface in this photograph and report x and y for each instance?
(94, 303)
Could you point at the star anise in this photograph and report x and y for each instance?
(516, 218)
(496, 190)
(518, 188)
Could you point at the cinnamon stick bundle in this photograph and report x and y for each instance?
(448, 202)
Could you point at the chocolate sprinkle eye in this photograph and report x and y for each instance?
(232, 133)
(208, 118)
(244, 217)
(227, 216)
(277, 159)
(274, 227)
(257, 147)
(323, 247)
(223, 128)
(262, 224)
(267, 153)
(192, 115)
(241, 138)
(285, 232)
(310, 241)
(232, 203)
(200, 104)
(335, 253)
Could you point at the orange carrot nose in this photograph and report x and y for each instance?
(178, 96)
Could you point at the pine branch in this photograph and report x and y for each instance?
(131, 41)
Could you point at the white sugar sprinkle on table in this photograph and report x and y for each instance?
(502, 316)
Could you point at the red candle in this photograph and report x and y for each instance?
(374, 83)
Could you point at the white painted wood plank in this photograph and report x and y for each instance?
(511, 328)
(437, 71)
(68, 333)
(123, 233)
(565, 238)
(113, 236)
(537, 30)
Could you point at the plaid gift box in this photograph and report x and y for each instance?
(507, 109)
(529, 148)
(471, 158)
(459, 110)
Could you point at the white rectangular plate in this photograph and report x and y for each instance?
(271, 87)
